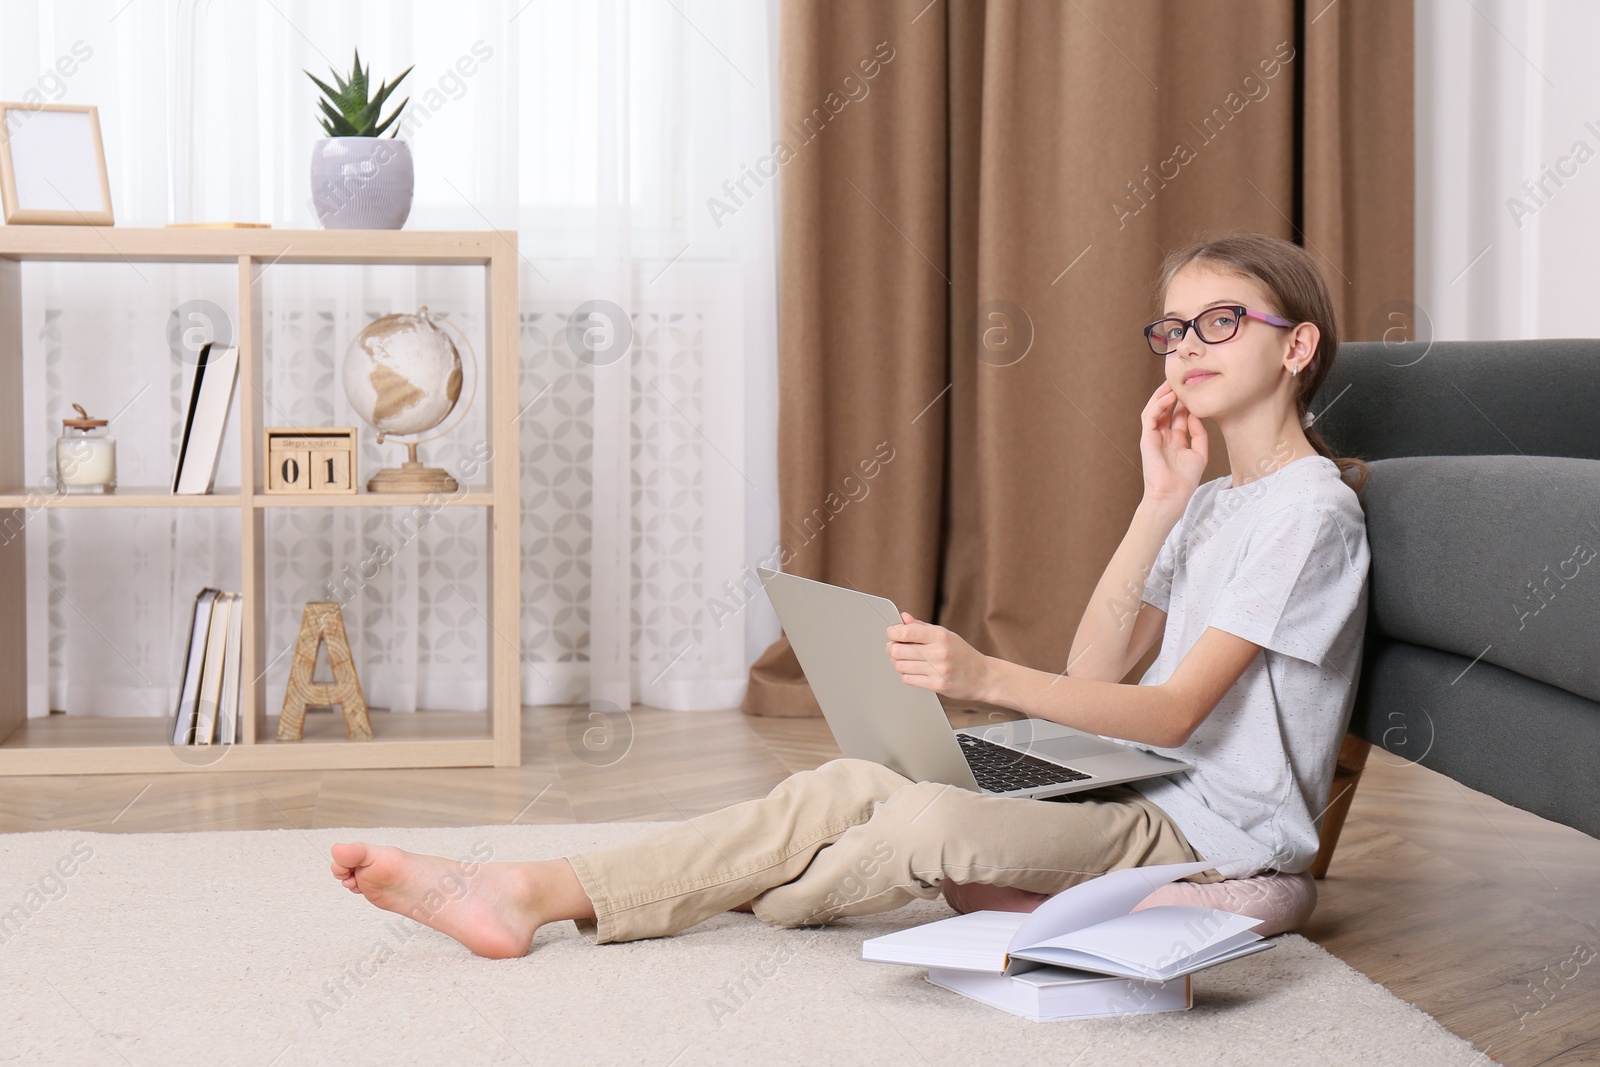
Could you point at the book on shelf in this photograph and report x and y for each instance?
(205, 708)
(189, 690)
(228, 714)
(208, 697)
(1089, 927)
(1064, 993)
(210, 396)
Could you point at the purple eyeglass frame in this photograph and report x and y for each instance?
(1240, 313)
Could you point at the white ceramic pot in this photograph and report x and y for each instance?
(361, 183)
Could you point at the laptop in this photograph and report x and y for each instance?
(838, 636)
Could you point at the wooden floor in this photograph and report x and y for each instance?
(1482, 915)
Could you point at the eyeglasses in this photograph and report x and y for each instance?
(1213, 326)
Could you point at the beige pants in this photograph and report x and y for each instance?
(853, 837)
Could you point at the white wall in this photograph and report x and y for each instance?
(1508, 168)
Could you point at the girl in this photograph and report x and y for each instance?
(1255, 583)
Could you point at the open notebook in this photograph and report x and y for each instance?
(1088, 927)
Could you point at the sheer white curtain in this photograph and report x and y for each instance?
(598, 132)
(1508, 169)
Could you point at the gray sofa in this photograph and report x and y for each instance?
(1482, 655)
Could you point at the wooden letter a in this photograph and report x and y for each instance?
(323, 624)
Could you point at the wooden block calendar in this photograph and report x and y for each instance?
(310, 459)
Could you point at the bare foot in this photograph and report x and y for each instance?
(492, 908)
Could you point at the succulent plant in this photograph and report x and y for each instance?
(348, 112)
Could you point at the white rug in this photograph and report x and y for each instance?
(240, 948)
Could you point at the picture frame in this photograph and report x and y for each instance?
(53, 165)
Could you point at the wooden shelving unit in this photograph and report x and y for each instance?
(74, 744)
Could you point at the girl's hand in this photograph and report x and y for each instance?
(933, 657)
(1174, 446)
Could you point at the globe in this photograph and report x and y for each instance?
(402, 375)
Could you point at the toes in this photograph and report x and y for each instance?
(350, 855)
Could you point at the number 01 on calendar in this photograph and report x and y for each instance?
(313, 459)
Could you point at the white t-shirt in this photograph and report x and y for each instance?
(1281, 561)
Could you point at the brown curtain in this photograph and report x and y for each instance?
(974, 200)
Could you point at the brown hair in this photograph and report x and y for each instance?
(1292, 279)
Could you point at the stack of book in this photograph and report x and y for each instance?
(208, 702)
(1082, 952)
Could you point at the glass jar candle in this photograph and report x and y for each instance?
(86, 457)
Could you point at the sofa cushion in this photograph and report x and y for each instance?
(1491, 557)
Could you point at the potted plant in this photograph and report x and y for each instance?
(359, 178)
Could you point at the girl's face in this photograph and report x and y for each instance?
(1238, 373)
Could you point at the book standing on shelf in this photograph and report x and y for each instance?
(189, 691)
(1079, 951)
(205, 708)
(215, 373)
(228, 718)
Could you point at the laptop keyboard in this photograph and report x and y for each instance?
(1003, 770)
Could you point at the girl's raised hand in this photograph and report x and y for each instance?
(1174, 447)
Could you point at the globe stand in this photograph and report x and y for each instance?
(411, 476)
